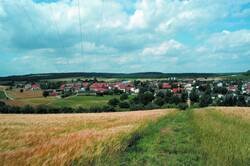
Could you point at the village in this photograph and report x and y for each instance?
(190, 91)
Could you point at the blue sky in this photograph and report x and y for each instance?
(43, 36)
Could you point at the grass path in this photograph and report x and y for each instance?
(196, 137)
(170, 141)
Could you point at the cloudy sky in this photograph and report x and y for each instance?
(38, 36)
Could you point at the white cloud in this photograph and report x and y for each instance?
(123, 34)
(165, 48)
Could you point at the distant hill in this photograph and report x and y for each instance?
(37, 77)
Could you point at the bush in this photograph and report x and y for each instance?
(108, 108)
(81, 110)
(205, 100)
(124, 104)
(124, 96)
(182, 106)
(159, 101)
(113, 102)
(151, 106)
(136, 107)
(45, 93)
(169, 106)
(27, 110)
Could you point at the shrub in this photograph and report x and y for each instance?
(169, 106)
(205, 100)
(135, 107)
(42, 109)
(159, 101)
(113, 102)
(27, 109)
(124, 96)
(182, 106)
(95, 109)
(151, 106)
(45, 93)
(81, 110)
(108, 108)
(124, 104)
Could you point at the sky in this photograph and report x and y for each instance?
(44, 36)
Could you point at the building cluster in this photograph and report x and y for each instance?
(217, 88)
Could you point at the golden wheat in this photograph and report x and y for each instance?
(62, 138)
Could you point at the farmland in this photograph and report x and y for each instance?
(204, 136)
(66, 139)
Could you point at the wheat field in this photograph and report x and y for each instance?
(63, 139)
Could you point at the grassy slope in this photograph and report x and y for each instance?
(190, 138)
(2, 95)
(224, 140)
(83, 101)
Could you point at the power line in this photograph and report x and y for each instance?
(59, 35)
(80, 26)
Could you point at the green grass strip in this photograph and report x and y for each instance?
(169, 141)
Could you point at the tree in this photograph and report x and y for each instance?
(113, 102)
(124, 104)
(146, 97)
(205, 100)
(159, 101)
(21, 90)
(124, 96)
(175, 100)
(184, 96)
(230, 100)
(194, 96)
(241, 101)
(160, 94)
(168, 96)
(45, 93)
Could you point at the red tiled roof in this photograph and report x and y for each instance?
(175, 90)
(100, 89)
(166, 86)
(99, 85)
(35, 86)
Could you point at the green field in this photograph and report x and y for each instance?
(82, 101)
(2, 95)
(38, 101)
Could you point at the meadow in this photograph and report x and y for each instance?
(204, 136)
(35, 98)
(82, 101)
(2, 95)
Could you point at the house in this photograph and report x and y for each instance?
(62, 87)
(232, 88)
(166, 86)
(85, 85)
(220, 84)
(54, 93)
(188, 87)
(177, 90)
(100, 87)
(125, 87)
(27, 86)
(35, 87)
